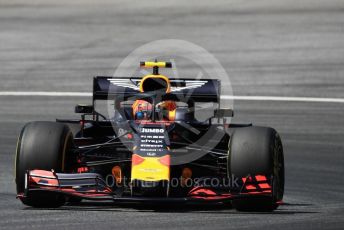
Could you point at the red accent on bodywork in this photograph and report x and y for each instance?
(148, 122)
(260, 178)
(207, 194)
(251, 187)
(43, 177)
(165, 160)
(43, 173)
(257, 192)
(219, 197)
(90, 192)
(200, 190)
(264, 186)
(82, 169)
(136, 159)
(255, 184)
(71, 191)
(47, 182)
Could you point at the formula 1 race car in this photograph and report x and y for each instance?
(152, 146)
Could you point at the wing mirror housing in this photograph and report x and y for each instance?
(85, 109)
(223, 113)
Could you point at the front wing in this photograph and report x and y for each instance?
(91, 186)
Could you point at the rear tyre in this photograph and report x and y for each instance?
(42, 145)
(253, 151)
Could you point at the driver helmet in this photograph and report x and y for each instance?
(141, 110)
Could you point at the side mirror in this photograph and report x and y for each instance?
(223, 113)
(86, 109)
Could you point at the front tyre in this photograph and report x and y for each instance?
(42, 145)
(257, 151)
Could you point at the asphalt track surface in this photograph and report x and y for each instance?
(268, 48)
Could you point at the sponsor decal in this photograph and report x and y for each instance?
(151, 141)
(151, 130)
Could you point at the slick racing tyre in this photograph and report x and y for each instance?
(42, 145)
(257, 151)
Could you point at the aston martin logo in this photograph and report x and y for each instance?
(134, 83)
(126, 83)
(189, 84)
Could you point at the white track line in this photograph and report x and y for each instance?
(46, 94)
(239, 98)
(273, 98)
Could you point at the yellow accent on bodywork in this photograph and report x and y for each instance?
(172, 115)
(151, 64)
(156, 76)
(150, 170)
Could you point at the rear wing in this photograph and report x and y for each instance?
(200, 90)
